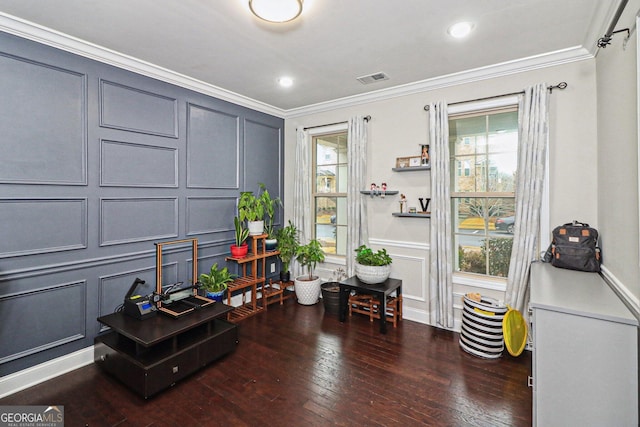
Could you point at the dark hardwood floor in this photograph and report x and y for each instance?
(295, 366)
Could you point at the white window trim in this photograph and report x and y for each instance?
(317, 131)
(499, 284)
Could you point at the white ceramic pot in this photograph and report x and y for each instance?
(255, 227)
(307, 291)
(372, 274)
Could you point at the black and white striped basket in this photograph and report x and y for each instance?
(481, 332)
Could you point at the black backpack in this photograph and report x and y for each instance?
(574, 246)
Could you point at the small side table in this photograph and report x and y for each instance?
(380, 291)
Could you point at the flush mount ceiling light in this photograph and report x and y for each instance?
(285, 81)
(276, 10)
(460, 29)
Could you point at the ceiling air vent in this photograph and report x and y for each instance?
(372, 78)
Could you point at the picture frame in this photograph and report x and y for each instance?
(424, 155)
(414, 161)
(402, 162)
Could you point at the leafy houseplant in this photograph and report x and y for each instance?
(372, 267)
(288, 243)
(240, 249)
(251, 208)
(309, 255)
(366, 256)
(216, 282)
(270, 210)
(307, 287)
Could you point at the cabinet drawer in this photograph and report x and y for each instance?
(171, 370)
(145, 380)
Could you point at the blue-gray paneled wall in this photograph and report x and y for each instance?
(96, 165)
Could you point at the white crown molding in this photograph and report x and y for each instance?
(31, 31)
(550, 59)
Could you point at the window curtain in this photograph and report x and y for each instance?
(441, 267)
(301, 217)
(357, 230)
(534, 134)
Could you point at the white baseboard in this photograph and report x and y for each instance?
(415, 315)
(34, 375)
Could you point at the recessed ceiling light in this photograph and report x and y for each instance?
(460, 29)
(276, 10)
(285, 81)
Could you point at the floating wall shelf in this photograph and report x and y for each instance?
(412, 215)
(379, 193)
(412, 168)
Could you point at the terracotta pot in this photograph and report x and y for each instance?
(239, 251)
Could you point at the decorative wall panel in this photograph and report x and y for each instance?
(127, 220)
(135, 165)
(262, 144)
(94, 169)
(136, 110)
(29, 334)
(37, 226)
(210, 214)
(212, 148)
(43, 117)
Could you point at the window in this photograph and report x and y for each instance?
(330, 191)
(484, 157)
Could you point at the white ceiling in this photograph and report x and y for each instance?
(218, 44)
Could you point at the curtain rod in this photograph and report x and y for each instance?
(605, 40)
(561, 85)
(366, 119)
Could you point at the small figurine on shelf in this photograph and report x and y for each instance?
(403, 203)
(425, 155)
(373, 189)
(384, 189)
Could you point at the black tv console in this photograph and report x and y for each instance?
(153, 354)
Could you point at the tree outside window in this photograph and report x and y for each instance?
(484, 149)
(330, 192)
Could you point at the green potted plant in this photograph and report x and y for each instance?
(288, 243)
(372, 267)
(240, 248)
(252, 208)
(270, 210)
(216, 282)
(307, 286)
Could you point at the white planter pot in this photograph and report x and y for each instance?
(372, 274)
(255, 227)
(307, 291)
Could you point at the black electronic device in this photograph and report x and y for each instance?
(137, 305)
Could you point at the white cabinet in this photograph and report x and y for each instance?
(585, 351)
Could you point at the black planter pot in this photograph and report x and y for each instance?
(285, 276)
(331, 297)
